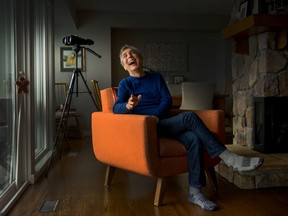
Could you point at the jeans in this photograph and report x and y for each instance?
(189, 129)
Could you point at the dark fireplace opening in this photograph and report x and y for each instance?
(271, 124)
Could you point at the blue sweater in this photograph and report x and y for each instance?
(156, 99)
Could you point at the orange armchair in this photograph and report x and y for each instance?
(131, 142)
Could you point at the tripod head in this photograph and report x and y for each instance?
(77, 48)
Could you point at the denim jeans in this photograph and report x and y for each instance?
(189, 129)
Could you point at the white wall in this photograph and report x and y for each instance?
(207, 52)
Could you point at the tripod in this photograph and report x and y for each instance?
(62, 127)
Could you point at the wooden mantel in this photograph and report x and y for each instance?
(253, 25)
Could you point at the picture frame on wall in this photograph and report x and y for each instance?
(243, 9)
(68, 59)
(178, 79)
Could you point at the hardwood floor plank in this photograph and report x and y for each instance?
(78, 182)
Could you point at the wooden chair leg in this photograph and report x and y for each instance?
(109, 175)
(211, 174)
(160, 190)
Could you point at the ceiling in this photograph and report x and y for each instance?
(223, 7)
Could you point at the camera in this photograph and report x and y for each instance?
(75, 40)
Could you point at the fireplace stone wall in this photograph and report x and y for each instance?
(261, 73)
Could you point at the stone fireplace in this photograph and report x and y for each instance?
(261, 73)
(259, 70)
(259, 66)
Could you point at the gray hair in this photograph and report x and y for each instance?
(128, 47)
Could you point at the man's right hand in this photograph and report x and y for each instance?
(133, 101)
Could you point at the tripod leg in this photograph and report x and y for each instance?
(63, 120)
(66, 110)
(88, 89)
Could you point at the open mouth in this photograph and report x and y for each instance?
(132, 62)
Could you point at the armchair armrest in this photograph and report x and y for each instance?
(122, 139)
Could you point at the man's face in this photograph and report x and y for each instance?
(131, 60)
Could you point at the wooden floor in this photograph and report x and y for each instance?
(77, 182)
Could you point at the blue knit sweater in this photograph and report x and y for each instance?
(156, 99)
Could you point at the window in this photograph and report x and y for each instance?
(26, 120)
(44, 67)
(8, 146)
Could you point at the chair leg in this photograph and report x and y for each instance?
(109, 175)
(211, 174)
(160, 190)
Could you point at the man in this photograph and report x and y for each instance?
(147, 94)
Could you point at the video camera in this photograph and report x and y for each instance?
(75, 40)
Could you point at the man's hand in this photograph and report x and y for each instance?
(133, 101)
